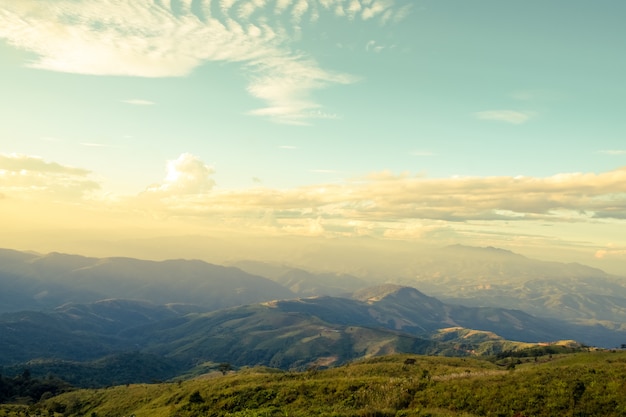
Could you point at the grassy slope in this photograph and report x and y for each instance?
(577, 384)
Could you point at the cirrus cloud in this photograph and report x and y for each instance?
(508, 116)
(148, 38)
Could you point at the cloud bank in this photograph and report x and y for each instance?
(154, 38)
(30, 177)
(380, 199)
(384, 204)
(573, 209)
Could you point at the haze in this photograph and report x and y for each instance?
(332, 133)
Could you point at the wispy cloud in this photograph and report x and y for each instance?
(94, 145)
(164, 39)
(422, 153)
(28, 177)
(325, 171)
(373, 46)
(508, 116)
(139, 102)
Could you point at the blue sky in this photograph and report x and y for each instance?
(431, 121)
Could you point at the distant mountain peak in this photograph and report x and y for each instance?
(380, 292)
(482, 249)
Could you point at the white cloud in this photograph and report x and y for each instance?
(508, 116)
(138, 102)
(299, 9)
(162, 39)
(283, 82)
(372, 46)
(375, 8)
(185, 175)
(281, 5)
(353, 8)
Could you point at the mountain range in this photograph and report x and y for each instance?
(102, 321)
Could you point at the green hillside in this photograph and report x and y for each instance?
(578, 384)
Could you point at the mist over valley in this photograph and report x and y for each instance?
(82, 318)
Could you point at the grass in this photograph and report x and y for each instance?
(590, 384)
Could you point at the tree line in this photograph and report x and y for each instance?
(23, 388)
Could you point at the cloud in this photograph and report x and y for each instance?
(400, 206)
(25, 163)
(610, 253)
(374, 9)
(139, 102)
(147, 38)
(185, 175)
(94, 145)
(372, 46)
(325, 171)
(508, 116)
(284, 82)
(381, 204)
(27, 177)
(422, 153)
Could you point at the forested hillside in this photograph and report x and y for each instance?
(578, 384)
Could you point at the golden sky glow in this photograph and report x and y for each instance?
(306, 122)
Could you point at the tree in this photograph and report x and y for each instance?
(224, 367)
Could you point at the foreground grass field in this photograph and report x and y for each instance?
(578, 384)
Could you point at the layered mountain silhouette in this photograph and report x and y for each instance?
(95, 320)
(47, 281)
(495, 277)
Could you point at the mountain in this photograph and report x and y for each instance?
(35, 282)
(494, 277)
(90, 343)
(304, 283)
(77, 332)
(87, 317)
(407, 309)
(273, 334)
(293, 333)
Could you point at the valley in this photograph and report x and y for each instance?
(106, 321)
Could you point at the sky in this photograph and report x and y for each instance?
(435, 122)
